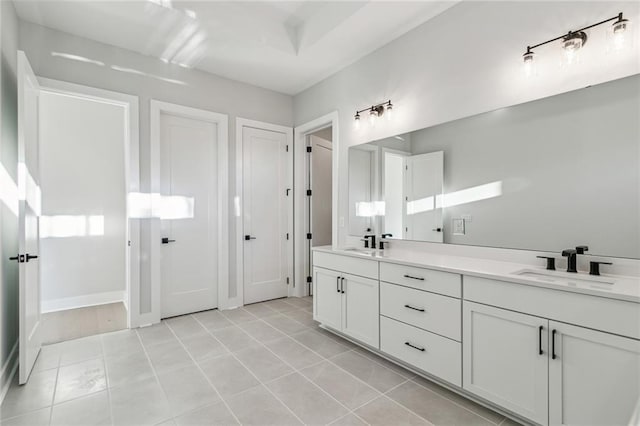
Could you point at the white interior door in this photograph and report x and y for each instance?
(321, 190)
(267, 192)
(29, 210)
(424, 179)
(189, 215)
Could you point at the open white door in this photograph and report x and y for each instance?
(424, 184)
(29, 211)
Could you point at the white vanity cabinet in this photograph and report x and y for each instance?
(549, 355)
(594, 378)
(545, 370)
(347, 302)
(506, 360)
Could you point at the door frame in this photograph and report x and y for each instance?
(132, 177)
(238, 300)
(221, 121)
(302, 265)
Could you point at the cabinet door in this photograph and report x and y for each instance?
(327, 298)
(361, 314)
(594, 378)
(505, 359)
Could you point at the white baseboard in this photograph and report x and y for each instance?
(82, 301)
(8, 371)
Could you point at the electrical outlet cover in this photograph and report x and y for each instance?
(458, 226)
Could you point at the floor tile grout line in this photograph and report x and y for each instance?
(203, 373)
(155, 373)
(256, 377)
(106, 374)
(296, 370)
(456, 403)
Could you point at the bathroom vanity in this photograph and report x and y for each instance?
(548, 346)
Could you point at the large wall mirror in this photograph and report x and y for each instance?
(543, 175)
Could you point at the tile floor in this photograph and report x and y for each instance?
(264, 364)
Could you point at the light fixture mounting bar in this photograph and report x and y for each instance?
(375, 107)
(618, 17)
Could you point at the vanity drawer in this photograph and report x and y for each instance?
(422, 279)
(352, 265)
(429, 311)
(599, 313)
(429, 352)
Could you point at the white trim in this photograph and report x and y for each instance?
(222, 126)
(301, 251)
(8, 371)
(83, 301)
(288, 131)
(132, 177)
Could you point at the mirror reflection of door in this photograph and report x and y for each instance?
(423, 188)
(362, 189)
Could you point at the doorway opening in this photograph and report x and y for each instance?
(319, 189)
(84, 232)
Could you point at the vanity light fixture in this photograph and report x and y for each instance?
(573, 41)
(375, 111)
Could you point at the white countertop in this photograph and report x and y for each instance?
(622, 288)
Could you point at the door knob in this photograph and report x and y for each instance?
(29, 257)
(249, 237)
(166, 240)
(19, 258)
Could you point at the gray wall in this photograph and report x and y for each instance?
(569, 167)
(437, 73)
(200, 90)
(8, 160)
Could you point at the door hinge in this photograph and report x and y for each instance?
(287, 280)
(309, 279)
(287, 235)
(309, 236)
(309, 193)
(309, 149)
(287, 191)
(286, 148)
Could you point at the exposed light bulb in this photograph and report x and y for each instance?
(356, 123)
(373, 115)
(389, 111)
(571, 45)
(529, 63)
(619, 34)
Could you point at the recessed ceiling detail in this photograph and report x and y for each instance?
(284, 46)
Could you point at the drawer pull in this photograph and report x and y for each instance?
(338, 284)
(553, 344)
(540, 351)
(414, 347)
(414, 278)
(415, 309)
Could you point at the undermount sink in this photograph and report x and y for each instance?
(366, 251)
(564, 278)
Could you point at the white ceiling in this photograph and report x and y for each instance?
(285, 46)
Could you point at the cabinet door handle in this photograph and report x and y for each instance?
(415, 309)
(342, 285)
(338, 284)
(414, 347)
(414, 278)
(540, 352)
(553, 344)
